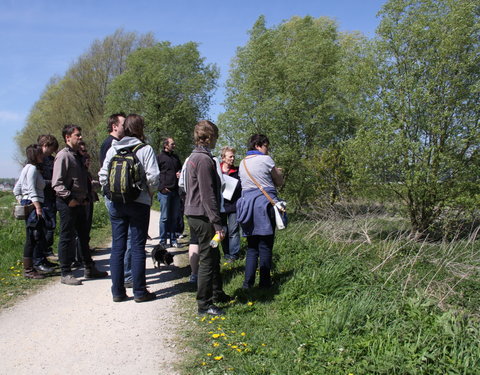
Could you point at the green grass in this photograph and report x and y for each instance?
(12, 234)
(391, 306)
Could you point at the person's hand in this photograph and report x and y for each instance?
(165, 191)
(39, 211)
(221, 234)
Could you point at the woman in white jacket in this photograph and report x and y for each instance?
(29, 190)
(134, 215)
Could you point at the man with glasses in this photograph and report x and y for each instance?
(70, 182)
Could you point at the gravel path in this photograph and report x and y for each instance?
(80, 330)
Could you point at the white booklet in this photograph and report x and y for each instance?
(230, 185)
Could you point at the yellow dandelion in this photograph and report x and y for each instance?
(225, 264)
(203, 319)
(215, 344)
(264, 344)
(239, 350)
(209, 354)
(215, 335)
(250, 304)
(204, 363)
(223, 318)
(229, 344)
(218, 357)
(12, 268)
(233, 331)
(210, 322)
(222, 334)
(234, 346)
(242, 334)
(210, 332)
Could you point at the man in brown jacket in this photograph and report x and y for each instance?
(70, 182)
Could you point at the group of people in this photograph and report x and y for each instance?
(215, 196)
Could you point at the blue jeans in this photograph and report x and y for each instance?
(259, 247)
(134, 218)
(169, 211)
(128, 254)
(231, 242)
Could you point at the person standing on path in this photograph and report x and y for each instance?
(168, 196)
(131, 217)
(202, 203)
(70, 182)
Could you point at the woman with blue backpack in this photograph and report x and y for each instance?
(129, 176)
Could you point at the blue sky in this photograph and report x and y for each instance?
(40, 39)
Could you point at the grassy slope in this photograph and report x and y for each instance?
(391, 307)
(12, 239)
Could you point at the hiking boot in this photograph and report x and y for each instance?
(28, 271)
(91, 272)
(70, 280)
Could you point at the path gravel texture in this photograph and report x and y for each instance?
(80, 330)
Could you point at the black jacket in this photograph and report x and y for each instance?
(169, 164)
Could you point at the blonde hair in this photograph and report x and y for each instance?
(227, 149)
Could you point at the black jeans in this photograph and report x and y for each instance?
(209, 284)
(35, 242)
(73, 221)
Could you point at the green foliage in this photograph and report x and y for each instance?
(335, 310)
(171, 86)
(79, 96)
(420, 140)
(295, 83)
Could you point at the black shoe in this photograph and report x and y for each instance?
(50, 264)
(120, 299)
(148, 296)
(222, 298)
(44, 268)
(212, 310)
(76, 264)
(128, 284)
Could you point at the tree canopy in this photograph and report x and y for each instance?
(170, 86)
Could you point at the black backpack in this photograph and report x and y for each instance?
(125, 175)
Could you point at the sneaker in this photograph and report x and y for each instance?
(212, 310)
(193, 278)
(70, 280)
(182, 236)
(43, 267)
(174, 243)
(148, 296)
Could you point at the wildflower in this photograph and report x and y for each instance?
(203, 319)
(222, 334)
(250, 303)
(215, 344)
(215, 335)
(239, 350)
(218, 357)
(12, 268)
(234, 346)
(264, 344)
(242, 334)
(204, 363)
(233, 331)
(209, 354)
(225, 264)
(223, 318)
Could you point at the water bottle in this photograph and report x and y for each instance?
(215, 241)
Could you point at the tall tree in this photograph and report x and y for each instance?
(171, 86)
(285, 82)
(79, 96)
(421, 139)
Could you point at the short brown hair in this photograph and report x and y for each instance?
(133, 126)
(47, 140)
(204, 132)
(32, 153)
(113, 119)
(227, 149)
